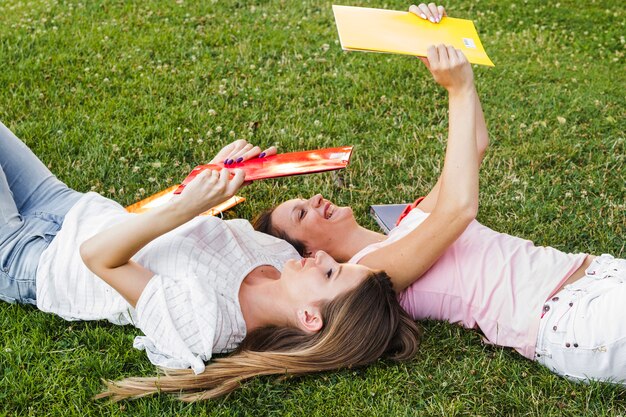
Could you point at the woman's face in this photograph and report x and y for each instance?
(316, 222)
(309, 281)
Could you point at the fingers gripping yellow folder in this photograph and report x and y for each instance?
(378, 30)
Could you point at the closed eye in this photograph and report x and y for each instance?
(301, 214)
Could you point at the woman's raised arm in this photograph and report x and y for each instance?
(482, 142)
(434, 14)
(457, 204)
(108, 254)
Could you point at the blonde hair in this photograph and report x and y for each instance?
(360, 326)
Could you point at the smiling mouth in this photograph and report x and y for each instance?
(330, 209)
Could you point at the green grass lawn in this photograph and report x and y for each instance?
(124, 98)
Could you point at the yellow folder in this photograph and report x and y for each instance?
(164, 196)
(378, 30)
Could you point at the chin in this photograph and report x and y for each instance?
(344, 215)
(349, 213)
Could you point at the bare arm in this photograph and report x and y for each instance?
(408, 258)
(434, 14)
(108, 254)
(482, 135)
(482, 142)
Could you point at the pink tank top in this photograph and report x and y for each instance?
(487, 280)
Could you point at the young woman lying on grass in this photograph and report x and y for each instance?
(565, 311)
(193, 285)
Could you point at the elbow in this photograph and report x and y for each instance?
(482, 151)
(482, 141)
(468, 208)
(87, 254)
(92, 260)
(466, 212)
(462, 213)
(469, 212)
(462, 218)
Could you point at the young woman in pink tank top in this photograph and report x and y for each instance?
(564, 310)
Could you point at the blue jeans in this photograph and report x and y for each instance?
(33, 204)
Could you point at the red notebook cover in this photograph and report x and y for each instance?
(284, 165)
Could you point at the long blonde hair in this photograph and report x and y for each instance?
(360, 326)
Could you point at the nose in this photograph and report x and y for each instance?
(321, 257)
(316, 200)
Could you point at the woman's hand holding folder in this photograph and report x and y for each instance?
(430, 12)
(239, 151)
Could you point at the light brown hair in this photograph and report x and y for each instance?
(360, 326)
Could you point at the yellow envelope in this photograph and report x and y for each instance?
(378, 30)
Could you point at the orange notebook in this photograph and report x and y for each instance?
(379, 30)
(283, 165)
(164, 196)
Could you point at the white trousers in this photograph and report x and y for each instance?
(582, 335)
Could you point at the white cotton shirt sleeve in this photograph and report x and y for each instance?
(179, 318)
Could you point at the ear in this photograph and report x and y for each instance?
(310, 319)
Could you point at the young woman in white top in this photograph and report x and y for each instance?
(564, 310)
(194, 285)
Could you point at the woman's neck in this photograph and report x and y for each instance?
(353, 243)
(260, 299)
